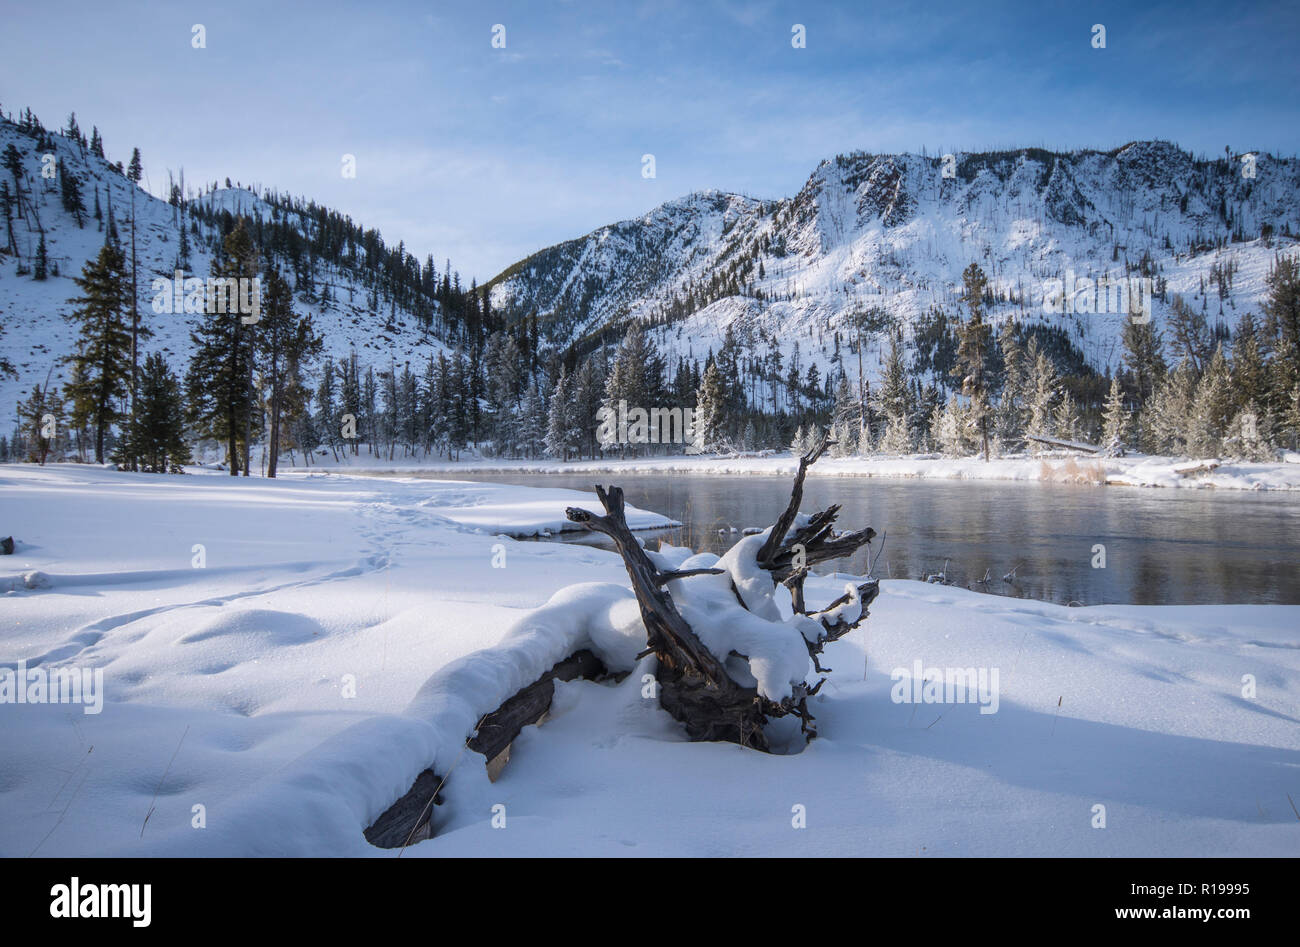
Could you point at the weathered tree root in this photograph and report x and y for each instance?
(694, 686)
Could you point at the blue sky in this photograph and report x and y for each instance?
(484, 155)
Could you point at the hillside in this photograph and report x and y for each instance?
(353, 303)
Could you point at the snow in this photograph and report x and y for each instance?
(226, 689)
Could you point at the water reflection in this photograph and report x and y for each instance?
(1162, 547)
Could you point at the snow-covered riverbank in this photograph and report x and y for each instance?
(1137, 471)
(284, 683)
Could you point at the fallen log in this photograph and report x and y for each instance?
(498, 729)
(1083, 446)
(410, 818)
(1196, 467)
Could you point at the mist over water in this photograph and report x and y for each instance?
(1162, 547)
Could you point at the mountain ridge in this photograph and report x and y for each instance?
(864, 232)
(895, 231)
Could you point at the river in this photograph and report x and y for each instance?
(1161, 547)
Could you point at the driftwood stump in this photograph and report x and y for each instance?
(694, 686)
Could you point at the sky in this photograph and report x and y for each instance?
(484, 154)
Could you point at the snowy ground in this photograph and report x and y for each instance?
(1136, 470)
(226, 688)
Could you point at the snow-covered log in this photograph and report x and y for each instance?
(1065, 444)
(498, 729)
(410, 818)
(1195, 467)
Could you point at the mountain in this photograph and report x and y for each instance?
(362, 294)
(896, 231)
(887, 232)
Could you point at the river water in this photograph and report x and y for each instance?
(1161, 547)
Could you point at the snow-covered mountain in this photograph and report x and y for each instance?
(896, 231)
(36, 337)
(865, 231)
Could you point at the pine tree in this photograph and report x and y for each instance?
(504, 366)
(135, 170)
(896, 438)
(350, 402)
(1212, 410)
(6, 208)
(1191, 335)
(82, 408)
(103, 355)
(1042, 391)
(813, 436)
(629, 380)
(70, 192)
(286, 340)
(561, 430)
(531, 423)
(326, 411)
(1065, 419)
(388, 421)
(973, 354)
(368, 419)
(42, 267)
(219, 395)
(1009, 420)
(1282, 331)
(457, 411)
(709, 429)
(588, 397)
(41, 418)
(13, 162)
(844, 437)
(845, 417)
(408, 408)
(1249, 369)
(949, 429)
(1167, 418)
(1115, 421)
(895, 401)
(155, 438)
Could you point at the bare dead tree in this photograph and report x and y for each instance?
(694, 685)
